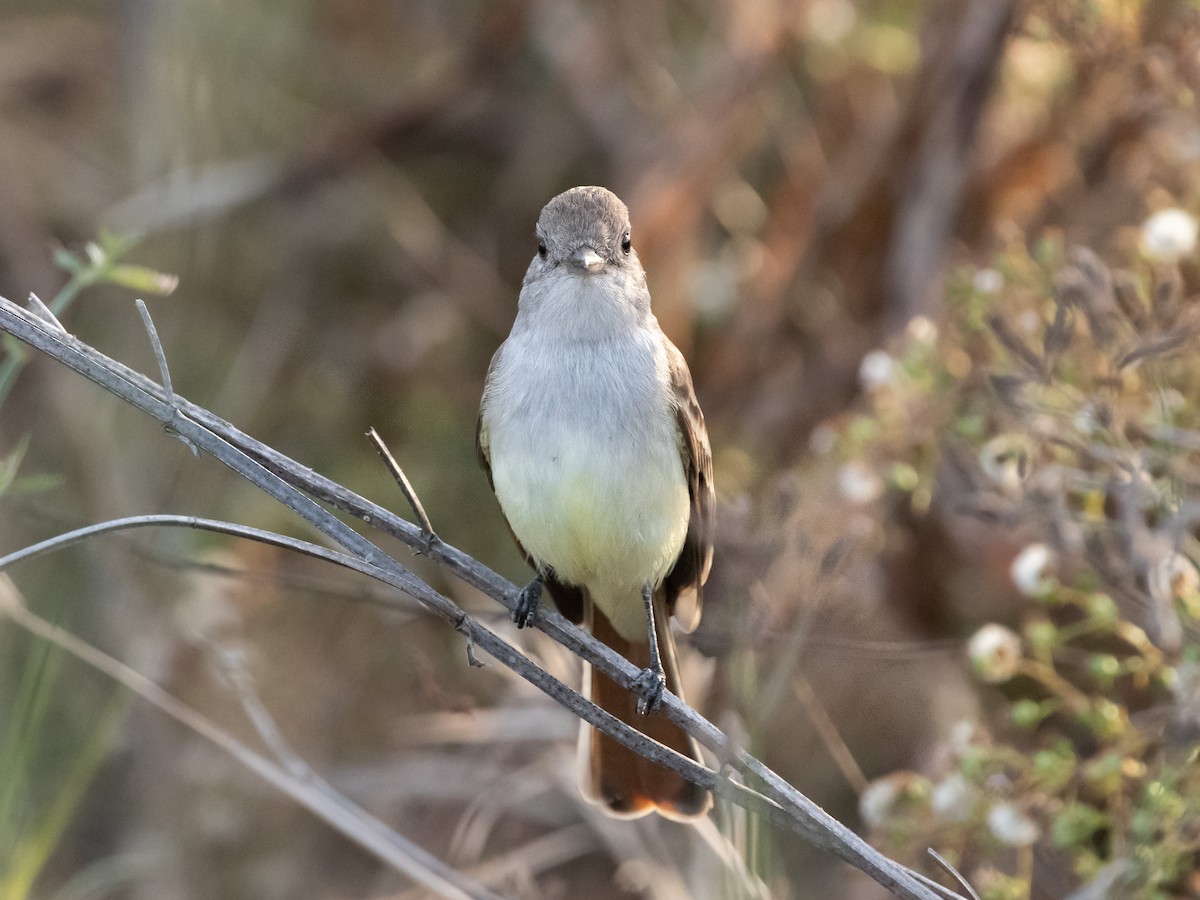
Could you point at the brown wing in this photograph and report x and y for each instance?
(482, 449)
(685, 580)
(483, 452)
(567, 597)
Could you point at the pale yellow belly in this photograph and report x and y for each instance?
(609, 521)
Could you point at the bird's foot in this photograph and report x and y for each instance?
(527, 603)
(649, 686)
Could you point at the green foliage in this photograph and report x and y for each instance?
(32, 829)
(1068, 385)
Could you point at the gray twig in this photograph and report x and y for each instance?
(280, 477)
(36, 304)
(165, 375)
(61, 541)
(953, 873)
(161, 357)
(406, 488)
(464, 627)
(231, 664)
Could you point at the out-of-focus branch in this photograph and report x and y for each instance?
(879, 232)
(911, 199)
(284, 480)
(944, 121)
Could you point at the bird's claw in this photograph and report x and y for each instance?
(527, 603)
(649, 686)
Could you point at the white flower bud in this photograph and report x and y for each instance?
(1005, 460)
(1030, 570)
(994, 652)
(1174, 577)
(987, 281)
(922, 329)
(1169, 235)
(1011, 826)
(881, 796)
(953, 799)
(876, 370)
(859, 484)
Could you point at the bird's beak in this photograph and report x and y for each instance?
(588, 259)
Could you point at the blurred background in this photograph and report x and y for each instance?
(908, 249)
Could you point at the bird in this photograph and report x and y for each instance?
(596, 448)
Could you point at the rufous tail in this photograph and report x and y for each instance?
(626, 784)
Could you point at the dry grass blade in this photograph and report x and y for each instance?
(404, 484)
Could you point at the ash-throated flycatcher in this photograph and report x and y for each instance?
(594, 443)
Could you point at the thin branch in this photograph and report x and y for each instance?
(537, 855)
(323, 584)
(782, 804)
(953, 873)
(36, 304)
(464, 628)
(406, 487)
(248, 532)
(230, 663)
(830, 736)
(163, 372)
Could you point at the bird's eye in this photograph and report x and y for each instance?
(542, 251)
(625, 245)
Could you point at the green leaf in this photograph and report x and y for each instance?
(35, 484)
(96, 254)
(36, 845)
(142, 279)
(65, 259)
(1028, 713)
(117, 244)
(1076, 824)
(19, 748)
